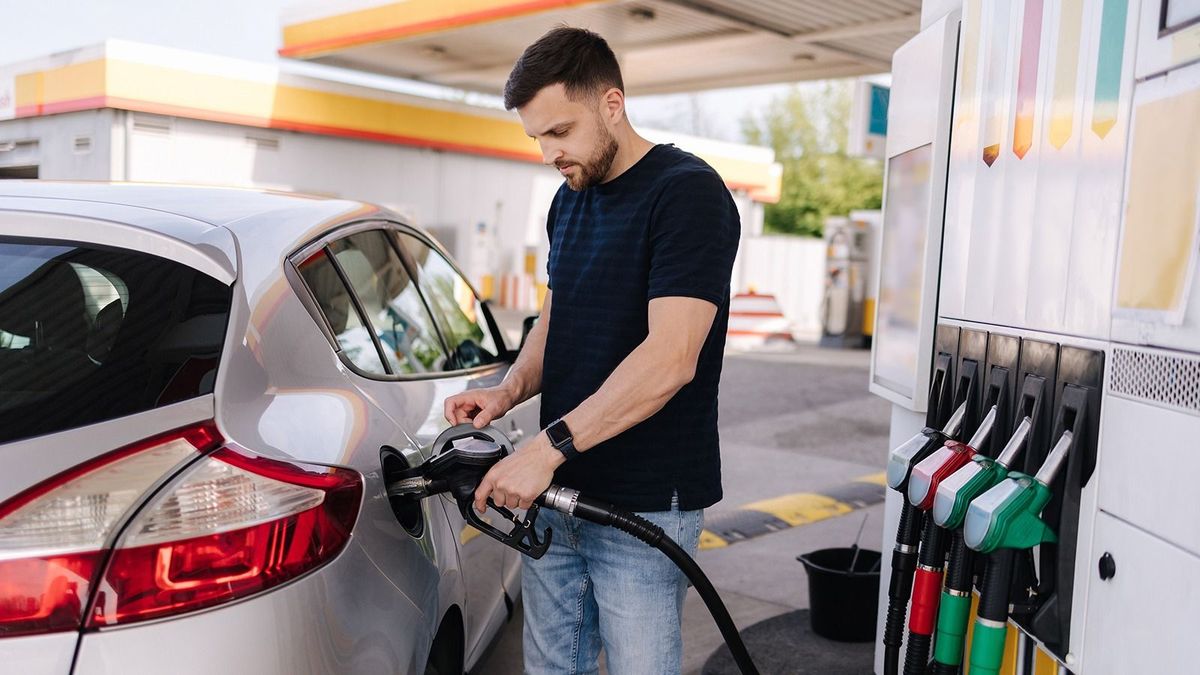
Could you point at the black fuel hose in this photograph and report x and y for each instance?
(996, 587)
(904, 563)
(572, 503)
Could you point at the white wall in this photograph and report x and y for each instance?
(790, 268)
(49, 143)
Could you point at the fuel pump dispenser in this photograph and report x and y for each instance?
(1060, 246)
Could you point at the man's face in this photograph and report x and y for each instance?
(574, 135)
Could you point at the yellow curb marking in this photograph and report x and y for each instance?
(801, 508)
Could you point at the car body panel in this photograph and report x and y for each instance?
(49, 654)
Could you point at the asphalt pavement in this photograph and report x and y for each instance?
(795, 421)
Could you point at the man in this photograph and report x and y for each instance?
(627, 357)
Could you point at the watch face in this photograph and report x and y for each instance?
(558, 432)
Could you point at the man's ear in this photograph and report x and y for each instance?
(612, 105)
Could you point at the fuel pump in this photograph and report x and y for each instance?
(904, 558)
(1006, 519)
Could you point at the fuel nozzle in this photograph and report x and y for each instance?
(1008, 514)
(464, 456)
(909, 453)
(929, 473)
(955, 493)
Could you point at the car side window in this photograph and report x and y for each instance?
(336, 305)
(459, 312)
(399, 318)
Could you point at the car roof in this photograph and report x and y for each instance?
(215, 206)
(193, 215)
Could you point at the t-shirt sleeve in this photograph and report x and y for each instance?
(694, 235)
(551, 219)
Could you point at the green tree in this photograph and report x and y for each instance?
(808, 127)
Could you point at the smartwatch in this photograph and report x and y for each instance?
(561, 438)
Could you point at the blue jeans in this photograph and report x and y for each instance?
(598, 585)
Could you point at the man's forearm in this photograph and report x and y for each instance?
(524, 379)
(639, 387)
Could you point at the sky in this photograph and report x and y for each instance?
(250, 29)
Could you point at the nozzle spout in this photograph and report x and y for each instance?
(984, 430)
(1054, 460)
(955, 423)
(1015, 444)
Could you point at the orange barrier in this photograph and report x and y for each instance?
(757, 319)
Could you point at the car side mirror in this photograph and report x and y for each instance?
(527, 326)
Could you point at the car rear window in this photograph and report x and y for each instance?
(89, 334)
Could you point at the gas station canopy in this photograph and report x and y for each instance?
(664, 45)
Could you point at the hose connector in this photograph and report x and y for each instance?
(561, 499)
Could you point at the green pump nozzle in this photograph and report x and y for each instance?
(1008, 514)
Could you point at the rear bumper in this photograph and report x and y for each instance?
(38, 654)
(345, 618)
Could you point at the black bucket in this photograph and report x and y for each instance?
(843, 602)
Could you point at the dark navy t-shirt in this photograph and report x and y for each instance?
(665, 227)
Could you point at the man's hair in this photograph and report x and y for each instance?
(576, 58)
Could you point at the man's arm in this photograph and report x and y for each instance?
(523, 381)
(639, 387)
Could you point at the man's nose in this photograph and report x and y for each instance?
(550, 154)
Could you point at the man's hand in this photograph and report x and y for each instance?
(479, 405)
(520, 478)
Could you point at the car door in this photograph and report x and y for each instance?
(477, 351)
(408, 368)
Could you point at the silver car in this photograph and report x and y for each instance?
(201, 393)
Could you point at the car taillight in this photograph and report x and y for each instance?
(53, 535)
(228, 526)
(231, 526)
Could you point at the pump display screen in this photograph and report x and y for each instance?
(902, 270)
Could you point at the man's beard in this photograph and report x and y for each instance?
(597, 166)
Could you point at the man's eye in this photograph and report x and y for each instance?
(558, 133)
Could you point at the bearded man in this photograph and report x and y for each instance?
(627, 358)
